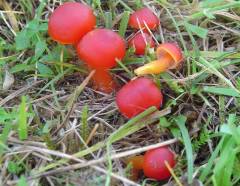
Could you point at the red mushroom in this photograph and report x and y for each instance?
(154, 163)
(140, 42)
(142, 18)
(99, 49)
(169, 56)
(70, 22)
(138, 95)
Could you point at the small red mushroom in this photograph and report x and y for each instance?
(99, 49)
(70, 22)
(154, 163)
(137, 96)
(140, 42)
(169, 56)
(142, 18)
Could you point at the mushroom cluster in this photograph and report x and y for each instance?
(143, 20)
(99, 48)
(74, 23)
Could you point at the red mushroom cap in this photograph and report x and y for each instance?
(154, 163)
(138, 95)
(70, 22)
(100, 48)
(171, 49)
(140, 16)
(140, 41)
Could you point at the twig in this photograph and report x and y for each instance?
(32, 143)
(173, 174)
(16, 93)
(65, 120)
(124, 154)
(92, 163)
(92, 134)
(47, 97)
(72, 100)
(70, 167)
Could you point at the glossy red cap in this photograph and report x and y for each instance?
(70, 22)
(154, 163)
(100, 48)
(137, 96)
(140, 16)
(140, 41)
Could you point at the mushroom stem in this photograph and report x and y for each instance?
(155, 67)
(134, 174)
(102, 80)
(137, 166)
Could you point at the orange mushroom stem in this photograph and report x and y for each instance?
(136, 162)
(137, 166)
(169, 56)
(103, 81)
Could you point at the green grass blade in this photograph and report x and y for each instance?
(108, 20)
(124, 5)
(4, 136)
(124, 67)
(224, 165)
(55, 79)
(22, 120)
(22, 181)
(199, 31)
(84, 132)
(180, 120)
(171, 83)
(221, 91)
(207, 170)
(124, 23)
(210, 67)
(211, 11)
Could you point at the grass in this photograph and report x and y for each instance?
(50, 115)
(188, 146)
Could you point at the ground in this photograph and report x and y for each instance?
(55, 129)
